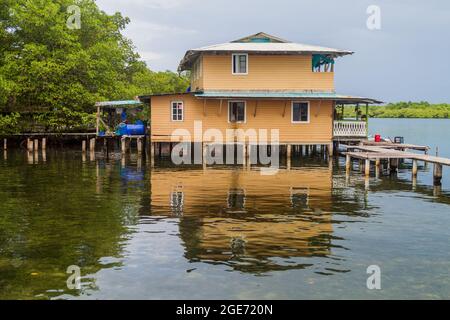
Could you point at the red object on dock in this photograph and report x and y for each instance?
(377, 138)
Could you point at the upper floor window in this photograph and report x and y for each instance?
(177, 111)
(300, 112)
(240, 63)
(322, 63)
(236, 111)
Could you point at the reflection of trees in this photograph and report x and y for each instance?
(61, 214)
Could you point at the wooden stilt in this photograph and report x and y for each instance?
(348, 162)
(367, 168)
(29, 145)
(44, 144)
(204, 151)
(288, 156)
(83, 146)
(244, 154)
(123, 144)
(330, 149)
(152, 153)
(92, 145)
(5, 144)
(414, 168)
(139, 145)
(36, 144)
(437, 174)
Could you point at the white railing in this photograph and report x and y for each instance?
(350, 129)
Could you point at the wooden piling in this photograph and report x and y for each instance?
(288, 156)
(83, 146)
(367, 168)
(152, 153)
(414, 168)
(123, 144)
(437, 174)
(92, 145)
(36, 145)
(44, 144)
(348, 162)
(5, 144)
(330, 149)
(29, 147)
(139, 145)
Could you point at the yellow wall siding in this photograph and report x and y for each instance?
(197, 75)
(269, 115)
(265, 72)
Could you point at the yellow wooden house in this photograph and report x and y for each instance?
(260, 82)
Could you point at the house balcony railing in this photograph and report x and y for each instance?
(343, 128)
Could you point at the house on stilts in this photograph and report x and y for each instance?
(259, 82)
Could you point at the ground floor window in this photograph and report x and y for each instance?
(300, 112)
(236, 111)
(177, 111)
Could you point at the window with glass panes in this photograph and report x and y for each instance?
(240, 63)
(300, 112)
(236, 111)
(177, 111)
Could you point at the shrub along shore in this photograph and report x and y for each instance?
(405, 110)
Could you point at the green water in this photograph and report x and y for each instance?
(220, 233)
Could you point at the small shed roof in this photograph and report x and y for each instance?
(260, 43)
(118, 104)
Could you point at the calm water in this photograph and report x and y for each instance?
(223, 232)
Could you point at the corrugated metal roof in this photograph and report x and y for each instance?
(284, 95)
(272, 47)
(269, 47)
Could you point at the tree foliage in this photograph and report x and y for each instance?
(47, 67)
(405, 110)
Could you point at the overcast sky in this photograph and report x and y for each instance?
(407, 59)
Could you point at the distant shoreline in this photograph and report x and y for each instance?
(402, 110)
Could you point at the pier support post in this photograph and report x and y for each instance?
(92, 145)
(288, 156)
(367, 168)
(83, 146)
(139, 145)
(393, 164)
(29, 145)
(348, 162)
(204, 153)
(123, 144)
(36, 145)
(414, 168)
(5, 144)
(437, 174)
(330, 149)
(152, 153)
(44, 144)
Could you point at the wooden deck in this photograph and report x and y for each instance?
(392, 152)
(387, 152)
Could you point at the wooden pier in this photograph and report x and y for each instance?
(392, 153)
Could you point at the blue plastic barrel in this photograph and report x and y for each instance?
(135, 129)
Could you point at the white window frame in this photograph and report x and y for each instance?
(245, 111)
(292, 112)
(171, 110)
(232, 64)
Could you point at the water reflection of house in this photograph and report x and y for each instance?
(245, 219)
